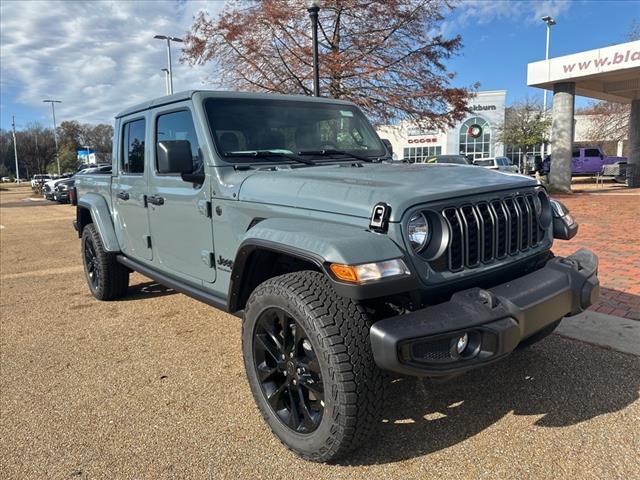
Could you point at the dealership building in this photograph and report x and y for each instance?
(474, 135)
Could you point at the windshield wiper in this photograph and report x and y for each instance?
(329, 152)
(270, 153)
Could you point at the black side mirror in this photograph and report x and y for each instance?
(174, 156)
(564, 225)
(388, 145)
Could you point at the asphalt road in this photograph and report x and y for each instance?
(153, 386)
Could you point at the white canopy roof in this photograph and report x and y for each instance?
(609, 73)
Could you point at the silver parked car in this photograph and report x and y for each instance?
(497, 163)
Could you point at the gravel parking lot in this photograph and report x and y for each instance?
(153, 386)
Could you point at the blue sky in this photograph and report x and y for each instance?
(499, 42)
(98, 57)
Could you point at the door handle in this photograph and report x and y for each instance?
(155, 200)
(123, 195)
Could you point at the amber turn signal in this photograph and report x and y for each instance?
(369, 272)
(346, 273)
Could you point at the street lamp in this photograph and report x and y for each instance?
(169, 39)
(550, 22)
(166, 79)
(313, 7)
(55, 128)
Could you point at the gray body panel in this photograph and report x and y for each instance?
(354, 191)
(332, 242)
(96, 203)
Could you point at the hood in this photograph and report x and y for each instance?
(350, 190)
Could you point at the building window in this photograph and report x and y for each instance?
(476, 138)
(420, 154)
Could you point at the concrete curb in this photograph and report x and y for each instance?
(617, 333)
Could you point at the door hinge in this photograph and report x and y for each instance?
(208, 258)
(144, 201)
(147, 239)
(205, 208)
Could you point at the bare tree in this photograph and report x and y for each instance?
(607, 121)
(385, 55)
(525, 125)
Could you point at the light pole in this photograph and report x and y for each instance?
(169, 39)
(313, 7)
(55, 128)
(550, 22)
(15, 148)
(166, 79)
(87, 147)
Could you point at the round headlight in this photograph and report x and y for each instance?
(418, 231)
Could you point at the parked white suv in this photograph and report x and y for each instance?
(497, 163)
(39, 179)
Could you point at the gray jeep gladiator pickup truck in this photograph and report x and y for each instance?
(343, 264)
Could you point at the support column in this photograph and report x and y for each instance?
(633, 165)
(562, 135)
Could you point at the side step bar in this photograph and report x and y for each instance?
(177, 285)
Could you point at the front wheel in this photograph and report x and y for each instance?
(309, 365)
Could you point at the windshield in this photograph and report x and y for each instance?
(246, 126)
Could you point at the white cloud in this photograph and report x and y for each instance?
(97, 57)
(482, 12)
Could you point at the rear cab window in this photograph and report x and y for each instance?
(133, 135)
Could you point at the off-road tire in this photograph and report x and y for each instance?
(113, 281)
(538, 336)
(338, 329)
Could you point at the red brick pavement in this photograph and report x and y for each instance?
(610, 227)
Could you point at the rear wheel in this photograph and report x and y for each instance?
(107, 279)
(309, 364)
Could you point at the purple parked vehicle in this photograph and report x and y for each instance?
(585, 161)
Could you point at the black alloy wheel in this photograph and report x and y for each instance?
(92, 264)
(107, 279)
(288, 370)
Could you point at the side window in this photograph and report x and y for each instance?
(133, 147)
(592, 152)
(176, 126)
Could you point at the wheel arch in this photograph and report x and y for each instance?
(258, 261)
(93, 208)
(305, 244)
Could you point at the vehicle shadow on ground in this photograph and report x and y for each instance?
(147, 290)
(423, 417)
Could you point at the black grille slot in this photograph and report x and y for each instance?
(502, 221)
(535, 223)
(487, 231)
(434, 351)
(472, 229)
(514, 224)
(456, 249)
(487, 227)
(525, 224)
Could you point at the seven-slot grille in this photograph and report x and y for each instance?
(490, 230)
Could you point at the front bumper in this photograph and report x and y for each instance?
(423, 342)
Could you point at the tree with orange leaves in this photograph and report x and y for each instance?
(385, 55)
